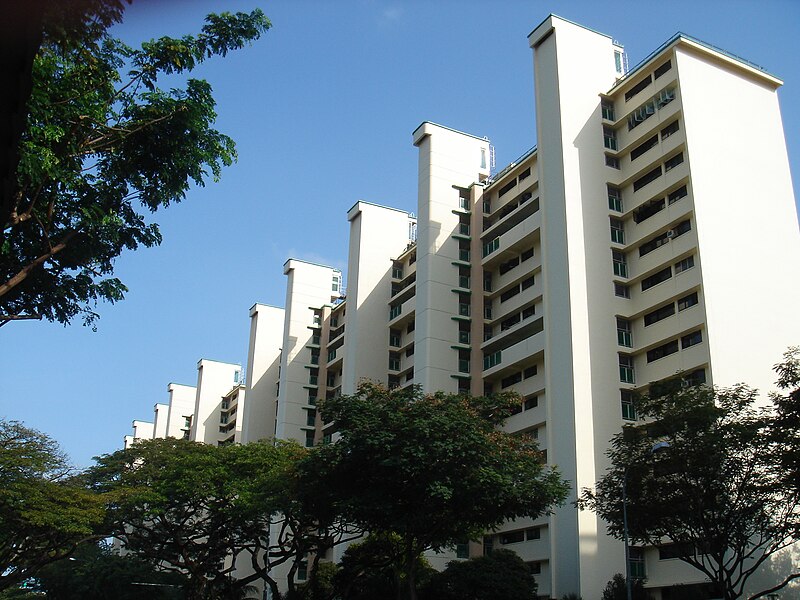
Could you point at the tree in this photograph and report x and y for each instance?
(617, 590)
(94, 572)
(45, 510)
(98, 148)
(714, 491)
(786, 428)
(433, 469)
(501, 575)
(191, 507)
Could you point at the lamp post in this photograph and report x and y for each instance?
(657, 447)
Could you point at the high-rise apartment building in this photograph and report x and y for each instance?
(651, 233)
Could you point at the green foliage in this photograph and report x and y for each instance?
(98, 148)
(95, 573)
(45, 510)
(714, 484)
(616, 589)
(432, 468)
(373, 569)
(502, 575)
(785, 433)
(187, 506)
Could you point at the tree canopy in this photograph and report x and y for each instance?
(703, 477)
(501, 575)
(99, 149)
(45, 510)
(199, 509)
(434, 469)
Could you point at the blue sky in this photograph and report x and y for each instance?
(322, 109)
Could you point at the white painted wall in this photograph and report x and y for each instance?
(181, 405)
(160, 418)
(377, 233)
(263, 366)
(214, 380)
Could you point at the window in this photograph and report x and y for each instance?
(311, 417)
(691, 339)
(669, 130)
(463, 337)
(463, 365)
(614, 199)
(462, 550)
(394, 338)
(656, 278)
(636, 562)
(670, 347)
(463, 203)
(463, 255)
(397, 271)
(648, 209)
(687, 301)
(682, 228)
(336, 282)
(463, 309)
(647, 178)
(509, 322)
(483, 158)
(683, 265)
(697, 377)
(534, 533)
(644, 147)
(512, 537)
(463, 281)
(609, 138)
(528, 312)
(302, 570)
(526, 283)
(525, 174)
(618, 61)
(530, 372)
(648, 247)
(677, 194)
(410, 327)
(526, 254)
(487, 206)
(662, 69)
(531, 402)
(673, 162)
(626, 403)
(624, 335)
(309, 439)
(621, 291)
(487, 311)
(535, 567)
(617, 231)
(659, 314)
(490, 360)
(638, 88)
(395, 311)
(331, 354)
(507, 295)
(626, 368)
(491, 246)
(670, 551)
(508, 265)
(511, 380)
(487, 282)
(506, 188)
(620, 265)
(612, 162)
(394, 362)
(607, 110)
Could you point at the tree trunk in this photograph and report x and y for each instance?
(410, 585)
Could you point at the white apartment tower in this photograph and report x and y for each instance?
(642, 239)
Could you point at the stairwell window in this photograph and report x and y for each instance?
(614, 199)
(622, 291)
(609, 138)
(612, 161)
(607, 110)
(626, 374)
(620, 264)
(617, 231)
(624, 334)
(626, 404)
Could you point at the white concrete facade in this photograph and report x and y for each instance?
(214, 382)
